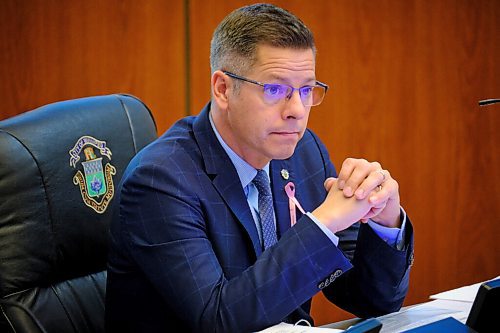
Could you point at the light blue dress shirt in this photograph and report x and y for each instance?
(246, 173)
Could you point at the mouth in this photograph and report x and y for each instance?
(286, 133)
(286, 136)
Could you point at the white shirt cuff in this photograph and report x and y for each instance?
(328, 232)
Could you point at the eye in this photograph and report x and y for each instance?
(274, 90)
(306, 91)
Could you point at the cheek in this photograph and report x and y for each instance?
(246, 127)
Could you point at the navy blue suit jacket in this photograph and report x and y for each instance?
(185, 252)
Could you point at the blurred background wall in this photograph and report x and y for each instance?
(405, 79)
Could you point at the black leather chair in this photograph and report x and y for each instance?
(59, 169)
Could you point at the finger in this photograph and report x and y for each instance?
(345, 172)
(388, 190)
(329, 182)
(351, 164)
(360, 173)
(374, 211)
(374, 179)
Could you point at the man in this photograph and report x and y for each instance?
(201, 242)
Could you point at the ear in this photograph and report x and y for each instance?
(220, 89)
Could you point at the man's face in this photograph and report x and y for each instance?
(259, 131)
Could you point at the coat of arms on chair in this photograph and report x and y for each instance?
(95, 182)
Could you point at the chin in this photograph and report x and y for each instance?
(284, 154)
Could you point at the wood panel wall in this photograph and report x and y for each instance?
(406, 77)
(53, 50)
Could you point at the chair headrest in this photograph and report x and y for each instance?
(60, 165)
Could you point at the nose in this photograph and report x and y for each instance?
(294, 108)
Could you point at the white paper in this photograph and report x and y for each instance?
(289, 328)
(416, 316)
(454, 303)
(463, 294)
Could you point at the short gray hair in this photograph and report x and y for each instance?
(235, 40)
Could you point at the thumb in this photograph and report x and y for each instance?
(329, 182)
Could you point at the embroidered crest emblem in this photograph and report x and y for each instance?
(95, 182)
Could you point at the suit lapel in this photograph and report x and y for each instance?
(224, 176)
(278, 182)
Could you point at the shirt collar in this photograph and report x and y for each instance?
(245, 171)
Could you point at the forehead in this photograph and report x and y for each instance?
(284, 63)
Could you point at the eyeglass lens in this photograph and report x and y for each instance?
(310, 95)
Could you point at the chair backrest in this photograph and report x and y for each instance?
(59, 168)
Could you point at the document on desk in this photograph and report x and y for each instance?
(416, 316)
(463, 294)
(289, 328)
(455, 303)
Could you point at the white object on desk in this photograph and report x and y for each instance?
(463, 294)
(289, 328)
(455, 303)
(422, 314)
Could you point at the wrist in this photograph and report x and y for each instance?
(389, 222)
(326, 218)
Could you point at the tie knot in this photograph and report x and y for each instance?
(261, 182)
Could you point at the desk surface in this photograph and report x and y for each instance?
(415, 316)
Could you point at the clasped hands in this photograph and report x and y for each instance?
(362, 191)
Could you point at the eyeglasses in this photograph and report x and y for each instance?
(274, 92)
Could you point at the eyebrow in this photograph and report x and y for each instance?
(312, 81)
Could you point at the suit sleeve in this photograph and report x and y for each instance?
(378, 282)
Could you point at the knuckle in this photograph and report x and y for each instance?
(393, 187)
(348, 162)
